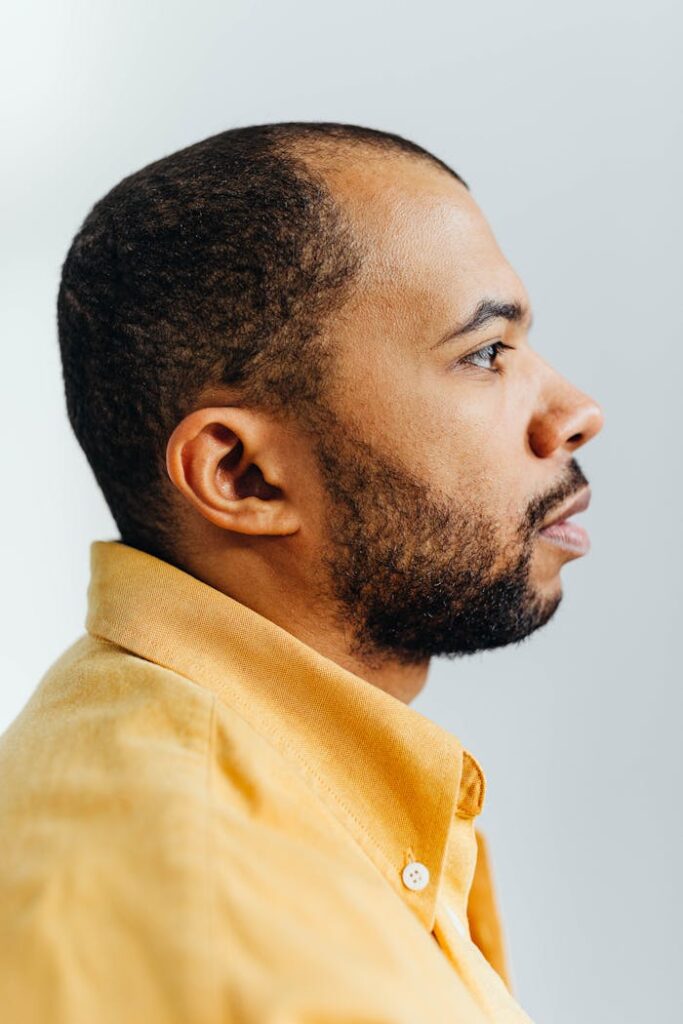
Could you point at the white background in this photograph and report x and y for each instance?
(564, 120)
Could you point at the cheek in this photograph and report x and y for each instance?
(473, 452)
(469, 442)
(465, 438)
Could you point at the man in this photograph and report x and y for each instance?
(298, 364)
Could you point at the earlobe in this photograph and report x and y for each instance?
(223, 462)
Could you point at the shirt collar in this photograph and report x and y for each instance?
(395, 778)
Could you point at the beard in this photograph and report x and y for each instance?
(411, 575)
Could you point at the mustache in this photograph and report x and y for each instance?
(572, 482)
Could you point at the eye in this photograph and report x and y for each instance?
(488, 353)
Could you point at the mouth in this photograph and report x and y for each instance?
(563, 532)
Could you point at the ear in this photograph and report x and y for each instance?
(230, 463)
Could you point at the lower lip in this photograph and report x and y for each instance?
(567, 535)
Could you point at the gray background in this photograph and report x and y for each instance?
(564, 121)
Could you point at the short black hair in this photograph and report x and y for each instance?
(216, 265)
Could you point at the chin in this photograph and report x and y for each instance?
(546, 566)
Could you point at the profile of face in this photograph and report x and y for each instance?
(444, 443)
(446, 450)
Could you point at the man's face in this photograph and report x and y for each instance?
(440, 459)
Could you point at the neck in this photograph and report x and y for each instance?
(286, 600)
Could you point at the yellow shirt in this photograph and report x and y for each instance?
(204, 821)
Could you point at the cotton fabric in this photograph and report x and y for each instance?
(205, 820)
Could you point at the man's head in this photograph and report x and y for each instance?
(261, 363)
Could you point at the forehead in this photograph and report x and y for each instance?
(431, 251)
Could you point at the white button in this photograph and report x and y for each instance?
(415, 876)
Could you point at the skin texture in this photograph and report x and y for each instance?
(405, 524)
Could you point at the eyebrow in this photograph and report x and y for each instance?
(489, 309)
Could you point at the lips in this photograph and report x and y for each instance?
(564, 533)
(578, 504)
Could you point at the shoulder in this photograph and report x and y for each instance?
(103, 822)
(103, 721)
(105, 767)
(161, 859)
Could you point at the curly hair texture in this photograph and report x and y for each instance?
(217, 265)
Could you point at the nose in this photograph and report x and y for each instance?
(568, 420)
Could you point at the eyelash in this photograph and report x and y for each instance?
(491, 350)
